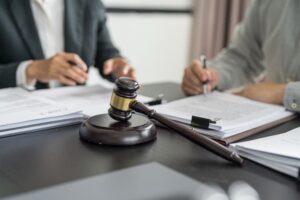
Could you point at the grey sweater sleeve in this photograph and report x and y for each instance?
(241, 62)
(291, 99)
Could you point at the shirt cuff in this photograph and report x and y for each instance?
(22, 78)
(291, 99)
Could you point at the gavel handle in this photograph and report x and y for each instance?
(202, 140)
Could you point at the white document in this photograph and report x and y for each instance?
(233, 113)
(21, 112)
(280, 152)
(283, 168)
(91, 100)
(284, 148)
(21, 107)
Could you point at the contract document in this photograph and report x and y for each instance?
(91, 100)
(234, 115)
(21, 112)
(280, 152)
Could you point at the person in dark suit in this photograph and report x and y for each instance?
(48, 43)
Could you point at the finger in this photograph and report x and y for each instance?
(132, 73)
(75, 60)
(188, 91)
(191, 86)
(66, 81)
(121, 70)
(72, 74)
(198, 71)
(192, 77)
(71, 71)
(82, 73)
(57, 68)
(108, 67)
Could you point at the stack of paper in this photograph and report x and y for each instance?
(279, 152)
(21, 112)
(91, 100)
(236, 116)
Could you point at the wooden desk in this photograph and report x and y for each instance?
(36, 160)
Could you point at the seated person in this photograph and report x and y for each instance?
(266, 42)
(48, 43)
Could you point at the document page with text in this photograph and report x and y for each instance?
(231, 112)
(91, 100)
(18, 106)
(279, 152)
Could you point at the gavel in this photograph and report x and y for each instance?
(123, 103)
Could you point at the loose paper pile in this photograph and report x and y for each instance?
(279, 152)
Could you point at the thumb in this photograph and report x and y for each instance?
(108, 67)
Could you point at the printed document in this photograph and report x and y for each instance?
(91, 100)
(20, 110)
(233, 113)
(280, 152)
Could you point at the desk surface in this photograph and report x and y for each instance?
(36, 160)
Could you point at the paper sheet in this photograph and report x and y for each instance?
(17, 106)
(91, 100)
(230, 111)
(286, 144)
(279, 152)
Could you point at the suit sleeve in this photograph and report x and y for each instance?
(105, 47)
(241, 62)
(8, 75)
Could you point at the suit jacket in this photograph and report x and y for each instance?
(85, 34)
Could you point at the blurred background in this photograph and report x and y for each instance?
(161, 37)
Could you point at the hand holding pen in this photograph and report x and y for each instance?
(199, 78)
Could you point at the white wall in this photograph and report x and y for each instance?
(149, 3)
(158, 45)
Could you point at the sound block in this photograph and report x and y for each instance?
(103, 130)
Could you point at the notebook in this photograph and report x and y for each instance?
(237, 117)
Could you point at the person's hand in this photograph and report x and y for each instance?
(67, 68)
(119, 67)
(195, 75)
(265, 92)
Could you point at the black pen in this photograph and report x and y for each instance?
(204, 83)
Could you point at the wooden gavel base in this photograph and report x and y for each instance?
(103, 130)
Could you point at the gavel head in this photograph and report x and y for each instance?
(124, 93)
